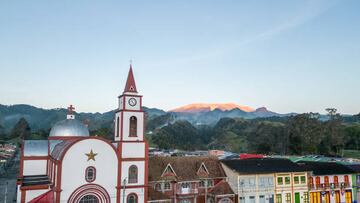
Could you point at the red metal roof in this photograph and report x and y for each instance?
(130, 82)
(47, 197)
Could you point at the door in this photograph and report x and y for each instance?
(348, 196)
(297, 197)
(337, 196)
(271, 199)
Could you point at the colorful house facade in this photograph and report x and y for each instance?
(329, 182)
(267, 180)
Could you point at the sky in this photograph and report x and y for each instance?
(289, 56)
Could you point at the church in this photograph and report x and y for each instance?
(73, 167)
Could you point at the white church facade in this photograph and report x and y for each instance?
(74, 167)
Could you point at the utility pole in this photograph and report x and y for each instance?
(124, 185)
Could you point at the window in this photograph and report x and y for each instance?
(346, 180)
(288, 198)
(225, 200)
(202, 183)
(184, 201)
(296, 179)
(278, 198)
(133, 174)
(133, 126)
(306, 197)
(242, 200)
(117, 127)
(271, 181)
(261, 199)
(252, 199)
(287, 180)
(167, 186)
(210, 183)
(317, 181)
(89, 199)
(326, 181)
(311, 182)
(303, 179)
(185, 185)
(280, 180)
(158, 186)
(132, 198)
(336, 181)
(90, 174)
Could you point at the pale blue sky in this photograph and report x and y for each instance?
(290, 56)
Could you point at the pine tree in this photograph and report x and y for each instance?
(21, 129)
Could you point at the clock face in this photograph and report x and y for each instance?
(132, 101)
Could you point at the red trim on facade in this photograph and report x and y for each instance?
(58, 183)
(65, 138)
(90, 189)
(122, 126)
(35, 158)
(34, 187)
(133, 159)
(94, 174)
(146, 171)
(23, 196)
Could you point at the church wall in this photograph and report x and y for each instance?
(34, 167)
(141, 171)
(75, 163)
(126, 125)
(133, 150)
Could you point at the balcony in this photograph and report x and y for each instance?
(184, 191)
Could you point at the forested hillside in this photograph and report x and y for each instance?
(300, 134)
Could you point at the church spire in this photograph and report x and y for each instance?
(130, 82)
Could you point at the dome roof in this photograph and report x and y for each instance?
(69, 127)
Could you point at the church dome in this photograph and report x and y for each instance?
(69, 127)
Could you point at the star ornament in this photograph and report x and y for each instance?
(91, 155)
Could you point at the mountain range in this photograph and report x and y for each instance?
(197, 114)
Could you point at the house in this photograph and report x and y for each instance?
(329, 182)
(267, 180)
(355, 181)
(195, 179)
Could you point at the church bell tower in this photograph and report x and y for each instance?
(132, 147)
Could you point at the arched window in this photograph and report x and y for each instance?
(117, 127)
(346, 180)
(326, 181)
(89, 199)
(184, 201)
(336, 181)
(133, 126)
(132, 198)
(317, 181)
(133, 174)
(90, 174)
(225, 200)
(311, 182)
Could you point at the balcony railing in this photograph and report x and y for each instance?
(325, 186)
(182, 191)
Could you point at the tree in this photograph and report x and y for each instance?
(21, 130)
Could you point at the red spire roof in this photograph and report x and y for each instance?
(130, 82)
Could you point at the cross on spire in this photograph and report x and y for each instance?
(71, 109)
